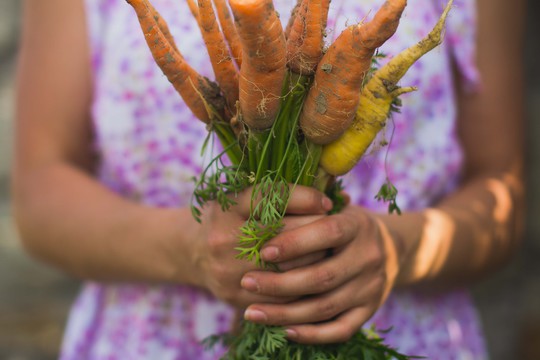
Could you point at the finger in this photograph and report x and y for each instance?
(292, 222)
(328, 232)
(318, 278)
(307, 200)
(243, 202)
(305, 310)
(363, 291)
(303, 200)
(302, 261)
(245, 298)
(336, 331)
(346, 198)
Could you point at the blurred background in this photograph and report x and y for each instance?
(34, 299)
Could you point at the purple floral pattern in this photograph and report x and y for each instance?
(149, 143)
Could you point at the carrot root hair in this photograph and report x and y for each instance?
(306, 37)
(229, 30)
(263, 61)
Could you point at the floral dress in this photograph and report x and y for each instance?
(149, 142)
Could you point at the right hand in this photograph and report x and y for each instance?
(214, 256)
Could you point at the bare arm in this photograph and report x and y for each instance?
(64, 215)
(478, 228)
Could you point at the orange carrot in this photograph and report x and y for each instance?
(325, 10)
(229, 30)
(305, 41)
(263, 61)
(162, 25)
(332, 101)
(194, 9)
(292, 18)
(224, 69)
(189, 84)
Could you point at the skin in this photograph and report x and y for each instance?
(70, 220)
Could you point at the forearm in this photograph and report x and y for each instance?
(477, 228)
(470, 233)
(68, 219)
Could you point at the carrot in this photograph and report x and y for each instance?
(263, 61)
(229, 30)
(376, 100)
(192, 86)
(224, 69)
(332, 100)
(325, 10)
(194, 8)
(305, 41)
(292, 18)
(162, 25)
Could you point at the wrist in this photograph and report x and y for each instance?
(405, 234)
(180, 247)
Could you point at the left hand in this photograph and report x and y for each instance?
(337, 294)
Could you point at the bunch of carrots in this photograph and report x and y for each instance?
(286, 110)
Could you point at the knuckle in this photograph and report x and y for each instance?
(231, 298)
(269, 286)
(279, 317)
(325, 279)
(380, 282)
(286, 244)
(273, 288)
(215, 242)
(219, 272)
(315, 200)
(333, 229)
(378, 262)
(327, 309)
(364, 221)
(379, 259)
(344, 333)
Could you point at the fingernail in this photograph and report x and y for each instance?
(327, 204)
(291, 334)
(270, 253)
(250, 284)
(255, 315)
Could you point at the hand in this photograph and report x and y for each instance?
(336, 295)
(217, 236)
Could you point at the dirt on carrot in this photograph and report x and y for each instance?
(263, 61)
(222, 63)
(197, 91)
(332, 101)
(306, 36)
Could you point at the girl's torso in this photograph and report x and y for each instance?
(149, 148)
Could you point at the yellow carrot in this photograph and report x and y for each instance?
(331, 103)
(376, 99)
